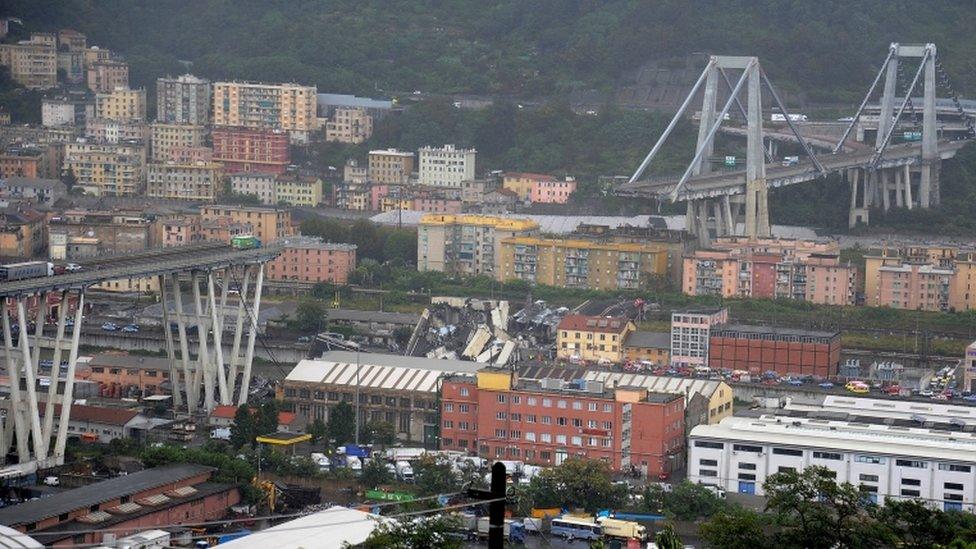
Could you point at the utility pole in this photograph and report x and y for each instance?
(357, 395)
(496, 505)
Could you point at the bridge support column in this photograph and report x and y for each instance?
(899, 188)
(204, 367)
(174, 376)
(18, 407)
(885, 175)
(252, 335)
(859, 191)
(67, 397)
(235, 354)
(929, 193)
(907, 178)
(191, 379)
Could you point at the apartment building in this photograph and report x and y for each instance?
(66, 111)
(691, 333)
(21, 162)
(297, 190)
(353, 172)
(32, 63)
(23, 233)
(349, 125)
(287, 107)
(886, 461)
(94, 54)
(648, 347)
(771, 268)
(349, 195)
(121, 104)
(185, 99)
(969, 369)
(390, 166)
(496, 415)
(200, 182)
(71, 55)
(166, 138)
(105, 130)
(190, 155)
(401, 390)
(106, 76)
(261, 185)
(786, 351)
(269, 224)
(593, 338)
(310, 259)
(105, 169)
(539, 188)
(116, 232)
(579, 263)
(466, 244)
(446, 166)
(251, 150)
(936, 278)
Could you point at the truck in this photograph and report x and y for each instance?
(25, 270)
(779, 117)
(321, 460)
(245, 242)
(624, 529)
(514, 531)
(404, 471)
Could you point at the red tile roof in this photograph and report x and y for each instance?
(98, 414)
(228, 412)
(583, 323)
(529, 175)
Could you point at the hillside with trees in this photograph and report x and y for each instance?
(522, 48)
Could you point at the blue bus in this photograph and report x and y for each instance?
(572, 528)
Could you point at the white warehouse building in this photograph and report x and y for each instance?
(740, 453)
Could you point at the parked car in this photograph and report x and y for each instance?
(110, 327)
(130, 329)
(304, 339)
(72, 267)
(826, 385)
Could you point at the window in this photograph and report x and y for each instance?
(953, 486)
(744, 448)
(530, 418)
(707, 444)
(707, 473)
(828, 455)
(561, 404)
(547, 403)
(546, 420)
(868, 478)
(501, 433)
(516, 435)
(501, 415)
(577, 405)
(787, 452)
(560, 439)
(608, 425)
(784, 469)
(516, 417)
(955, 467)
(464, 391)
(463, 408)
(747, 466)
(448, 424)
(607, 407)
(577, 422)
(952, 497)
(577, 441)
(516, 400)
(545, 437)
(911, 463)
(591, 406)
(530, 437)
(448, 407)
(591, 424)
(747, 476)
(560, 421)
(911, 493)
(530, 401)
(708, 462)
(501, 398)
(911, 482)
(870, 459)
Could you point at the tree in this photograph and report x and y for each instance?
(400, 247)
(434, 475)
(341, 424)
(379, 432)
(574, 483)
(813, 511)
(375, 474)
(242, 431)
(318, 430)
(408, 534)
(686, 501)
(667, 538)
(69, 179)
(266, 420)
(311, 315)
(735, 528)
(916, 525)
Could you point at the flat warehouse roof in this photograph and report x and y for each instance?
(378, 371)
(772, 330)
(845, 436)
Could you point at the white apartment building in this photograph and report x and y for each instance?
(261, 185)
(740, 453)
(446, 166)
(690, 332)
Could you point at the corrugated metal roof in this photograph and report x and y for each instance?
(664, 384)
(390, 372)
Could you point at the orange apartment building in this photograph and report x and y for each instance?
(771, 268)
(309, 259)
(936, 278)
(592, 338)
(268, 224)
(496, 415)
(14, 163)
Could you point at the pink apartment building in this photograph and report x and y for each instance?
(552, 191)
(309, 259)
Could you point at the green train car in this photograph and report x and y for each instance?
(245, 242)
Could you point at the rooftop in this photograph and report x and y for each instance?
(99, 492)
(577, 243)
(480, 221)
(528, 175)
(770, 330)
(315, 243)
(355, 315)
(332, 528)
(661, 384)
(378, 371)
(844, 436)
(648, 340)
(342, 100)
(605, 324)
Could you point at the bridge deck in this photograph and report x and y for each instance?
(733, 183)
(143, 264)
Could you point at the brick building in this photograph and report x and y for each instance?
(251, 150)
(498, 416)
(760, 349)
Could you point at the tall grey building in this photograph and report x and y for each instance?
(183, 100)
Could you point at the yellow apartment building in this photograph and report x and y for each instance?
(121, 104)
(105, 169)
(289, 107)
(197, 181)
(165, 138)
(298, 191)
(593, 338)
(466, 244)
(390, 166)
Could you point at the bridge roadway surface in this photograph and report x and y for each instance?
(142, 264)
(734, 183)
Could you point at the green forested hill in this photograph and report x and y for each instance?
(530, 48)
